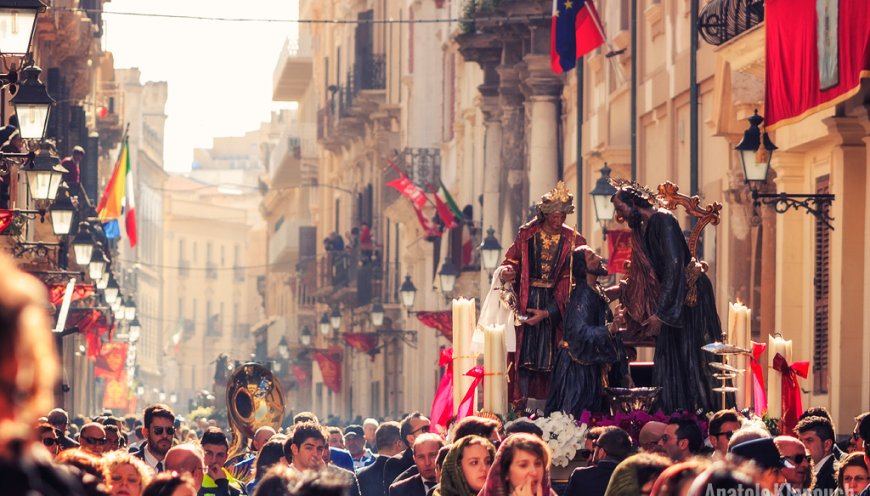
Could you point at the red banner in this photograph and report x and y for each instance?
(792, 406)
(330, 368)
(440, 321)
(300, 374)
(817, 52)
(619, 246)
(56, 291)
(365, 342)
(418, 200)
(759, 393)
(442, 405)
(92, 324)
(112, 360)
(6, 217)
(116, 392)
(466, 407)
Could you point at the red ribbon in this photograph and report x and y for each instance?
(466, 408)
(759, 394)
(792, 405)
(442, 405)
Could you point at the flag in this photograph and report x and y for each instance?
(575, 31)
(365, 342)
(330, 367)
(117, 196)
(443, 210)
(817, 52)
(450, 202)
(418, 200)
(6, 217)
(441, 321)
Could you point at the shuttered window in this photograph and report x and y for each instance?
(821, 299)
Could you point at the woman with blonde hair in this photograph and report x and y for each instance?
(521, 468)
(125, 474)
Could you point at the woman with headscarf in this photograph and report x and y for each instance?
(466, 466)
(521, 468)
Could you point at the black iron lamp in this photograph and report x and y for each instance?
(490, 250)
(62, 213)
(83, 244)
(17, 24)
(756, 150)
(335, 319)
(447, 275)
(601, 196)
(324, 324)
(32, 105)
(408, 293)
(98, 263)
(111, 292)
(377, 314)
(283, 348)
(305, 336)
(44, 175)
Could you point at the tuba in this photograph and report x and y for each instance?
(254, 399)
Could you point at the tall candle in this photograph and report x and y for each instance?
(740, 334)
(494, 365)
(463, 360)
(776, 344)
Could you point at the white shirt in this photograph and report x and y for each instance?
(150, 459)
(818, 466)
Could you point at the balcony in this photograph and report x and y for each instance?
(360, 93)
(110, 124)
(211, 270)
(294, 70)
(285, 241)
(348, 276)
(286, 167)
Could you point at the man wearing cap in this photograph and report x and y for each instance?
(355, 442)
(612, 446)
(72, 164)
(764, 454)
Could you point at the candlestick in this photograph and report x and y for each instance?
(463, 358)
(494, 364)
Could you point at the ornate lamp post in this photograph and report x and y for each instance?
(601, 194)
(490, 250)
(305, 336)
(447, 276)
(377, 314)
(83, 244)
(62, 213)
(17, 23)
(408, 293)
(32, 105)
(44, 175)
(324, 325)
(335, 319)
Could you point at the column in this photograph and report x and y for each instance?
(513, 201)
(492, 175)
(542, 91)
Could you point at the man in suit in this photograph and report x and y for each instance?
(817, 434)
(412, 426)
(159, 423)
(388, 440)
(612, 446)
(425, 448)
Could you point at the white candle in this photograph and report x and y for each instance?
(494, 364)
(740, 334)
(463, 327)
(776, 345)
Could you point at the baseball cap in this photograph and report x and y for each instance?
(651, 432)
(763, 452)
(355, 430)
(79, 149)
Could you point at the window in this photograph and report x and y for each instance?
(821, 298)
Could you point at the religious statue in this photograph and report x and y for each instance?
(537, 264)
(667, 298)
(591, 355)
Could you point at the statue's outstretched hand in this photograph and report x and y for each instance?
(508, 275)
(535, 316)
(652, 326)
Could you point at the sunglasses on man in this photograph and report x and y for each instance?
(159, 430)
(50, 441)
(727, 434)
(99, 441)
(798, 459)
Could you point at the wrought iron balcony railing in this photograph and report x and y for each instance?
(722, 20)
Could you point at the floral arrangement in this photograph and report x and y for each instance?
(564, 435)
(634, 421)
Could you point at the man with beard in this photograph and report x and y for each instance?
(159, 431)
(591, 354)
(799, 479)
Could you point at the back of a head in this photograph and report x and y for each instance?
(184, 457)
(323, 483)
(475, 426)
(387, 434)
(305, 417)
(522, 424)
(724, 477)
(271, 453)
(616, 442)
(26, 331)
(58, 417)
(749, 431)
(165, 483)
(823, 427)
(634, 472)
(277, 481)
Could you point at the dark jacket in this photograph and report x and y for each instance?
(350, 476)
(371, 478)
(396, 465)
(591, 481)
(412, 486)
(65, 441)
(341, 458)
(826, 477)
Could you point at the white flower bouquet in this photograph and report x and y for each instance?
(563, 435)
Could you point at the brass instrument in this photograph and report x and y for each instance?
(254, 399)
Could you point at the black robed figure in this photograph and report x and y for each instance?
(591, 354)
(655, 300)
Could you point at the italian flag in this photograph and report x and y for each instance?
(118, 199)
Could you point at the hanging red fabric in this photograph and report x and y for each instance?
(466, 407)
(759, 393)
(441, 321)
(792, 406)
(442, 405)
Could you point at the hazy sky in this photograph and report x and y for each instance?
(219, 73)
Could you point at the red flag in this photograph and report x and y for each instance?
(300, 374)
(619, 245)
(56, 292)
(443, 210)
(418, 200)
(112, 360)
(759, 393)
(466, 407)
(330, 368)
(116, 392)
(6, 217)
(365, 342)
(792, 405)
(815, 55)
(442, 405)
(441, 321)
(574, 32)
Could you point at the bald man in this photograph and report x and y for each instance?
(186, 458)
(93, 438)
(799, 478)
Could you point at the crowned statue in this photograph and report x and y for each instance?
(537, 265)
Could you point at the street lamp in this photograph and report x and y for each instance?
(408, 292)
(749, 147)
(601, 199)
(335, 319)
(44, 175)
(32, 105)
(17, 23)
(490, 250)
(111, 291)
(130, 309)
(83, 244)
(324, 324)
(117, 305)
(135, 330)
(283, 348)
(756, 150)
(447, 275)
(305, 336)
(62, 212)
(98, 263)
(377, 315)
(103, 282)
